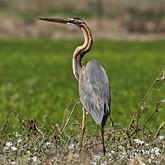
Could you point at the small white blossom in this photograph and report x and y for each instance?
(110, 155)
(161, 137)
(146, 144)
(19, 140)
(149, 160)
(124, 154)
(47, 143)
(155, 150)
(17, 134)
(104, 163)
(112, 151)
(71, 145)
(138, 141)
(5, 148)
(9, 144)
(34, 158)
(147, 152)
(121, 147)
(13, 148)
(76, 156)
(152, 156)
(96, 157)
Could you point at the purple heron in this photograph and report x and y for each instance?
(94, 88)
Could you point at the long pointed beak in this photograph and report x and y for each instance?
(75, 21)
(57, 20)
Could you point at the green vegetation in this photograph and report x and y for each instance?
(37, 81)
(39, 96)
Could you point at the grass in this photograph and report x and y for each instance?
(38, 92)
(38, 75)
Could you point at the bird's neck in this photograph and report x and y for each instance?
(80, 51)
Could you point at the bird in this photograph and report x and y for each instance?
(94, 86)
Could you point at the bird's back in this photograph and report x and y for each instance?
(94, 91)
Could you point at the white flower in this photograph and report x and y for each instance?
(152, 156)
(96, 157)
(138, 141)
(13, 148)
(47, 143)
(71, 145)
(9, 144)
(104, 163)
(76, 156)
(161, 137)
(121, 147)
(149, 160)
(112, 152)
(34, 158)
(147, 152)
(146, 144)
(19, 140)
(155, 150)
(17, 134)
(124, 154)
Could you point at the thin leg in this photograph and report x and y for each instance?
(112, 121)
(82, 128)
(102, 136)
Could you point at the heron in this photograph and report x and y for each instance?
(94, 86)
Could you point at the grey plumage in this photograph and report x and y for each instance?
(94, 91)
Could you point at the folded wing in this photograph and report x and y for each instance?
(94, 91)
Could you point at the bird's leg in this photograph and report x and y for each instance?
(102, 138)
(82, 128)
(112, 122)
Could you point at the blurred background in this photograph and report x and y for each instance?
(108, 19)
(35, 56)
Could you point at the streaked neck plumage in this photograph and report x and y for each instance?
(80, 51)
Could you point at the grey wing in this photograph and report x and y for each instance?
(94, 92)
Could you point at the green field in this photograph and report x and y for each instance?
(36, 79)
(36, 82)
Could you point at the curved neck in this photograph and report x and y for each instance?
(80, 51)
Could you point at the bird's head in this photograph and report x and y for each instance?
(76, 21)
